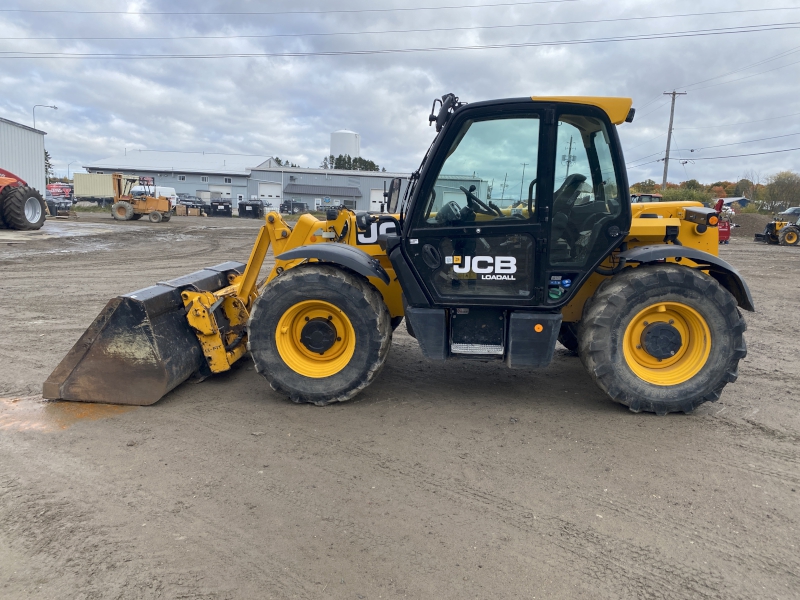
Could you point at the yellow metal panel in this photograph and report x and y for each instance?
(617, 109)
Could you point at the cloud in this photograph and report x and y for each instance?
(289, 106)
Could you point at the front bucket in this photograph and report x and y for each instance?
(139, 347)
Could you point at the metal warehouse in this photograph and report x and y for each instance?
(22, 152)
(240, 177)
(318, 188)
(193, 173)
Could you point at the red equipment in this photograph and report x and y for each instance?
(724, 228)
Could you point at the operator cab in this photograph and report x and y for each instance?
(517, 203)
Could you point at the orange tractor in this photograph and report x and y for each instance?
(21, 206)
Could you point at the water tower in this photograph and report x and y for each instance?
(346, 142)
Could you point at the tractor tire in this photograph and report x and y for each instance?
(155, 217)
(568, 336)
(24, 209)
(136, 217)
(3, 193)
(166, 217)
(662, 338)
(789, 236)
(122, 211)
(319, 334)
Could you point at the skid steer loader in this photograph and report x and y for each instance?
(637, 290)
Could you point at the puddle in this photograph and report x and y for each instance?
(32, 413)
(54, 229)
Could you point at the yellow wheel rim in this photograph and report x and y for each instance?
(297, 356)
(686, 362)
(790, 238)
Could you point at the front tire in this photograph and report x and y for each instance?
(122, 211)
(662, 338)
(23, 209)
(789, 236)
(319, 334)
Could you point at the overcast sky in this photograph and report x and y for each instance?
(288, 105)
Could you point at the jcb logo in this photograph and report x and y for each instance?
(375, 229)
(488, 267)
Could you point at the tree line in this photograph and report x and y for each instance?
(346, 163)
(771, 194)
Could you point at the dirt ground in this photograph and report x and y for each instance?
(456, 480)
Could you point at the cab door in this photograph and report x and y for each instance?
(478, 226)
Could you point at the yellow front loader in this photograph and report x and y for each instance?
(636, 290)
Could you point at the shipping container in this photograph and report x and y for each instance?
(94, 187)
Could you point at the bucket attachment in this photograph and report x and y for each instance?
(139, 347)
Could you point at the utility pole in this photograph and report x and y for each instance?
(568, 158)
(522, 183)
(673, 93)
(503, 189)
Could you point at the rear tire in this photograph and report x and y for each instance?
(327, 296)
(683, 304)
(789, 236)
(155, 217)
(23, 209)
(122, 211)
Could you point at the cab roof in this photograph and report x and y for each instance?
(617, 109)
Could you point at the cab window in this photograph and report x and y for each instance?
(586, 196)
(489, 174)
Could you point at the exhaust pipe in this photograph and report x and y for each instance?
(139, 347)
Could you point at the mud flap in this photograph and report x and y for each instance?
(139, 347)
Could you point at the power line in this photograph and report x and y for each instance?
(646, 142)
(274, 13)
(736, 124)
(719, 157)
(739, 70)
(432, 30)
(745, 77)
(751, 154)
(640, 37)
(775, 137)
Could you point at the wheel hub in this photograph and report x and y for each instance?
(318, 335)
(33, 210)
(661, 340)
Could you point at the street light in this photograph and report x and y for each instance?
(43, 106)
(68, 166)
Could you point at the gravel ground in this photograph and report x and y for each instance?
(456, 480)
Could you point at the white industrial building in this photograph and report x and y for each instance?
(201, 174)
(245, 177)
(22, 153)
(345, 143)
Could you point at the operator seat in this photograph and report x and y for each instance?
(563, 200)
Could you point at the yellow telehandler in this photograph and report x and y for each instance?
(637, 290)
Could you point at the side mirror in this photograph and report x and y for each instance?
(393, 194)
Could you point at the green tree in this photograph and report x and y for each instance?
(781, 192)
(346, 163)
(48, 165)
(744, 187)
(648, 186)
(692, 184)
(283, 163)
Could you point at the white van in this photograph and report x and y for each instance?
(159, 191)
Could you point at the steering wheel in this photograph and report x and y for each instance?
(449, 212)
(476, 203)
